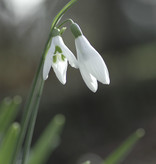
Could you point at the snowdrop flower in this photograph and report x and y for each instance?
(92, 66)
(57, 57)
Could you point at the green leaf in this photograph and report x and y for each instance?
(48, 141)
(120, 153)
(8, 112)
(8, 144)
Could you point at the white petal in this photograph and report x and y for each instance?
(67, 53)
(90, 80)
(60, 69)
(48, 60)
(92, 60)
(97, 67)
(70, 56)
(47, 65)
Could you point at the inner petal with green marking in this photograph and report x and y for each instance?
(58, 49)
(58, 56)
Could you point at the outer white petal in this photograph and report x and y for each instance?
(92, 60)
(60, 69)
(48, 62)
(66, 52)
(97, 68)
(70, 56)
(90, 80)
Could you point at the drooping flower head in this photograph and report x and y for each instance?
(92, 66)
(57, 57)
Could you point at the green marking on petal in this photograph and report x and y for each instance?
(63, 57)
(54, 59)
(57, 49)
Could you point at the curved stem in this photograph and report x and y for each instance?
(68, 20)
(31, 108)
(60, 14)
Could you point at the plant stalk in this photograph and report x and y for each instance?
(31, 108)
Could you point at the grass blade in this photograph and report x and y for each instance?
(8, 112)
(121, 152)
(48, 141)
(8, 144)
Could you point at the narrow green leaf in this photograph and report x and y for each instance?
(8, 112)
(48, 141)
(4, 104)
(4, 108)
(120, 153)
(8, 144)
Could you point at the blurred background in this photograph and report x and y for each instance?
(124, 32)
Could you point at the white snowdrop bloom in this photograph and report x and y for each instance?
(58, 56)
(92, 66)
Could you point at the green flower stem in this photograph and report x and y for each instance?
(60, 14)
(68, 20)
(32, 104)
(31, 126)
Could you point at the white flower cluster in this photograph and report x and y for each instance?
(91, 65)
